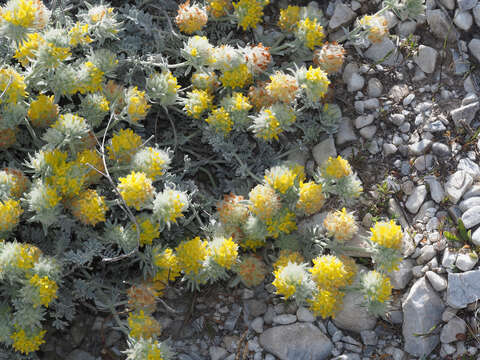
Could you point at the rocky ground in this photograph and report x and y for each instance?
(411, 125)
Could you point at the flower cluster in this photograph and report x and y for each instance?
(31, 280)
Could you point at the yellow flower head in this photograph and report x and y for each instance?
(191, 254)
(124, 145)
(264, 201)
(167, 267)
(311, 198)
(387, 234)
(46, 290)
(266, 125)
(91, 157)
(289, 17)
(136, 189)
(89, 208)
(27, 343)
(326, 302)
(224, 252)
(337, 168)
(79, 35)
(290, 279)
(288, 256)
(149, 230)
(220, 120)
(284, 223)
(25, 14)
(90, 78)
(329, 272)
(152, 161)
(376, 287)
(249, 12)
(198, 102)
(376, 26)
(12, 86)
(205, 80)
(27, 49)
(237, 77)
(281, 178)
(43, 112)
(191, 18)
(282, 87)
(341, 225)
(10, 211)
(143, 326)
(170, 204)
(26, 256)
(219, 8)
(137, 106)
(310, 32)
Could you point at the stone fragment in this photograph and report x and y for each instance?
(420, 301)
(441, 26)
(457, 184)
(353, 315)
(426, 58)
(416, 199)
(345, 132)
(463, 288)
(465, 5)
(296, 341)
(217, 353)
(400, 278)
(464, 113)
(341, 16)
(463, 20)
(384, 51)
(323, 150)
(284, 319)
(437, 281)
(305, 315)
(452, 330)
(471, 217)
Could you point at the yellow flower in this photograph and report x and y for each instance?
(27, 343)
(92, 157)
(219, 8)
(10, 211)
(47, 290)
(337, 168)
(284, 223)
(167, 267)
(288, 18)
(22, 14)
(12, 86)
(197, 102)
(290, 280)
(27, 256)
(26, 50)
(287, 256)
(79, 35)
(143, 326)
(137, 106)
(341, 225)
(281, 178)
(376, 26)
(310, 32)
(220, 120)
(190, 18)
(239, 77)
(224, 252)
(124, 145)
(311, 198)
(329, 272)
(191, 254)
(91, 79)
(315, 83)
(136, 189)
(170, 204)
(89, 208)
(149, 230)
(266, 125)
(282, 87)
(249, 12)
(58, 54)
(265, 202)
(376, 287)
(152, 161)
(326, 303)
(387, 234)
(43, 111)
